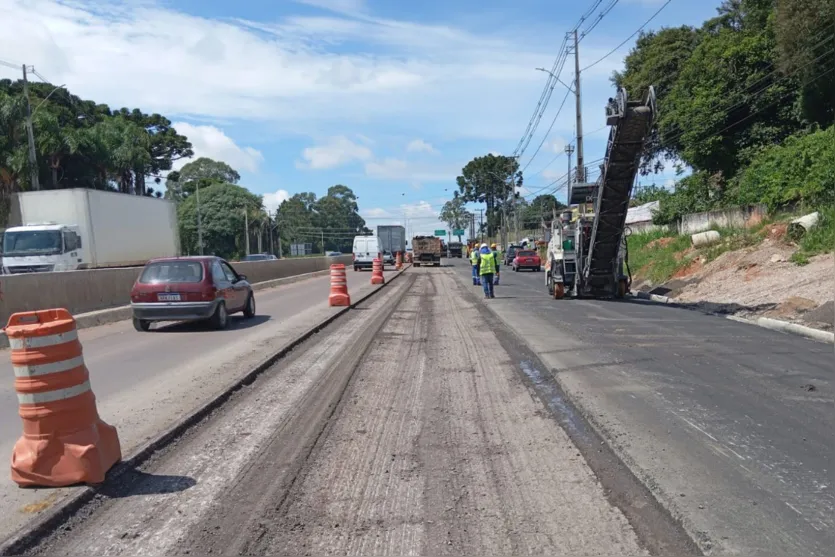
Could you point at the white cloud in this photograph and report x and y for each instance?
(375, 213)
(558, 145)
(420, 146)
(412, 172)
(294, 71)
(335, 152)
(209, 141)
(274, 199)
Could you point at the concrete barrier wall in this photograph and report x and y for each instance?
(735, 217)
(84, 291)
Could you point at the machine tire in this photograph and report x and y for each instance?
(621, 288)
(141, 325)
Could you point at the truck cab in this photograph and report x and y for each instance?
(42, 248)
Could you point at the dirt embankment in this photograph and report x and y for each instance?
(756, 280)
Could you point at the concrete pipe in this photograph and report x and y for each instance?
(800, 226)
(704, 239)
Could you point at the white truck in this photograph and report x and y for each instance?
(67, 230)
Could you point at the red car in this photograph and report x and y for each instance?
(190, 289)
(527, 259)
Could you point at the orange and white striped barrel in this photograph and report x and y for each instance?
(377, 272)
(64, 441)
(339, 286)
(399, 261)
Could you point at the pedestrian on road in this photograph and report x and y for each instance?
(487, 270)
(474, 261)
(498, 260)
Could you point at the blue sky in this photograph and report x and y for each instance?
(389, 98)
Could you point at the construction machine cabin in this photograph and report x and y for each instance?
(587, 252)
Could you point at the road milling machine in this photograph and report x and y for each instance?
(587, 251)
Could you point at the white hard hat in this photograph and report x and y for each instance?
(484, 245)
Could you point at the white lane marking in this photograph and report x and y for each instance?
(792, 507)
(694, 426)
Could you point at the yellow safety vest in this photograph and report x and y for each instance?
(474, 257)
(488, 264)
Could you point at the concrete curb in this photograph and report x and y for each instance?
(29, 535)
(764, 322)
(123, 313)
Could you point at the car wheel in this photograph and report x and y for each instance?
(220, 319)
(249, 310)
(141, 325)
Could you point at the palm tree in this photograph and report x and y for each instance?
(120, 147)
(55, 142)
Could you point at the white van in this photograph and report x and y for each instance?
(366, 249)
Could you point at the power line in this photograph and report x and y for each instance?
(547, 133)
(603, 13)
(629, 38)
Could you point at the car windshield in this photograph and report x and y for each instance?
(162, 272)
(32, 242)
(526, 254)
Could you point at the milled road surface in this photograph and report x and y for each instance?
(144, 382)
(406, 427)
(731, 425)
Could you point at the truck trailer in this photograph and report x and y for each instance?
(393, 239)
(67, 230)
(427, 250)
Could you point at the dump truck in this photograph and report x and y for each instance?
(427, 250)
(456, 249)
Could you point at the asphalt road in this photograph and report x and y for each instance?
(731, 426)
(411, 431)
(144, 382)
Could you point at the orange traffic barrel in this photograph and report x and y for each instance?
(377, 272)
(339, 286)
(399, 262)
(64, 441)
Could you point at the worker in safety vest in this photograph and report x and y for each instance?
(498, 259)
(487, 270)
(474, 261)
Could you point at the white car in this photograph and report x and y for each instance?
(366, 250)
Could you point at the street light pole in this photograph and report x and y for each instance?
(199, 224)
(246, 228)
(33, 157)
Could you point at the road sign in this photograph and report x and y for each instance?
(458, 232)
(440, 233)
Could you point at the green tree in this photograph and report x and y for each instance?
(726, 102)
(202, 172)
(490, 180)
(540, 209)
(222, 208)
(805, 31)
(657, 59)
(455, 214)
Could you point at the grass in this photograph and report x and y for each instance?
(820, 239)
(659, 262)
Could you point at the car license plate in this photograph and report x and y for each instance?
(168, 297)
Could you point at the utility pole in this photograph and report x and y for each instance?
(581, 171)
(481, 225)
(33, 157)
(246, 228)
(323, 240)
(199, 224)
